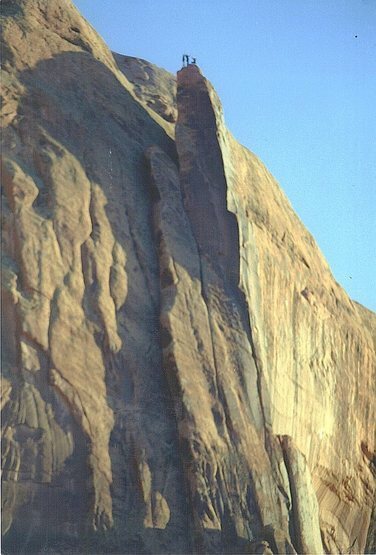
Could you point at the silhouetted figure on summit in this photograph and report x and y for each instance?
(186, 61)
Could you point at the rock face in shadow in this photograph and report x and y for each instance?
(181, 372)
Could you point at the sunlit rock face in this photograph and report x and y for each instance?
(181, 372)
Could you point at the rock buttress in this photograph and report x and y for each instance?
(203, 309)
(89, 438)
(315, 348)
(254, 249)
(232, 493)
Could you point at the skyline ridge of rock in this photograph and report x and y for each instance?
(181, 371)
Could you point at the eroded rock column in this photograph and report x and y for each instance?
(207, 346)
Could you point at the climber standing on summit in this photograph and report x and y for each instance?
(186, 61)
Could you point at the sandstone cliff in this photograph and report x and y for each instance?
(181, 372)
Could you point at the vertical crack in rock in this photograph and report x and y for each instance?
(174, 247)
(215, 230)
(204, 187)
(218, 465)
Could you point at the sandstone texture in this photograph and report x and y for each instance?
(181, 371)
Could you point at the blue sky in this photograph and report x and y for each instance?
(297, 79)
